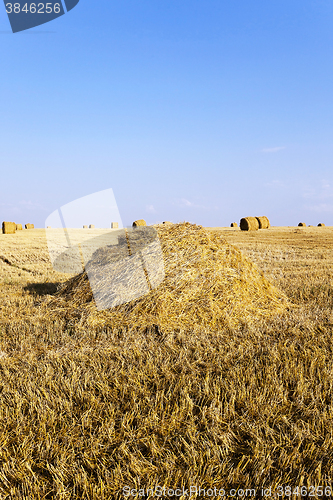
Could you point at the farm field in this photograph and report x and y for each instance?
(85, 412)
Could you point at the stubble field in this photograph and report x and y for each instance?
(85, 413)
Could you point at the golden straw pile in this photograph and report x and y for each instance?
(208, 284)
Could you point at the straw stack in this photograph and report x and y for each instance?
(8, 227)
(139, 222)
(208, 284)
(249, 224)
(263, 222)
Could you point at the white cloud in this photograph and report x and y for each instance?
(184, 202)
(150, 209)
(320, 208)
(29, 205)
(321, 191)
(275, 183)
(273, 150)
(22, 206)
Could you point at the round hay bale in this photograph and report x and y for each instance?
(8, 227)
(302, 224)
(139, 222)
(114, 225)
(29, 226)
(167, 222)
(249, 224)
(18, 227)
(310, 225)
(321, 224)
(85, 227)
(91, 226)
(234, 224)
(263, 222)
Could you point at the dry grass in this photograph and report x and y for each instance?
(85, 412)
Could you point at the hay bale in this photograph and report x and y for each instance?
(91, 226)
(321, 224)
(8, 227)
(234, 224)
(208, 285)
(85, 227)
(263, 222)
(114, 225)
(29, 226)
(167, 222)
(18, 227)
(249, 224)
(302, 224)
(48, 227)
(310, 225)
(139, 222)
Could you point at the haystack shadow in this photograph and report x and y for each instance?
(42, 289)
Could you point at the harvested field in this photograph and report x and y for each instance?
(86, 411)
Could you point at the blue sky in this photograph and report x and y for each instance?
(206, 111)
